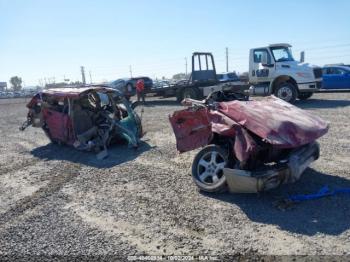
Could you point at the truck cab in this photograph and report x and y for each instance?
(273, 70)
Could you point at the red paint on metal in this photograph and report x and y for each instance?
(192, 129)
(276, 122)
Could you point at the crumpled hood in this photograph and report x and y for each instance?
(276, 121)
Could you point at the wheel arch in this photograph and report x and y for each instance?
(283, 78)
(223, 141)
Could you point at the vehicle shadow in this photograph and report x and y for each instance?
(328, 215)
(117, 154)
(321, 103)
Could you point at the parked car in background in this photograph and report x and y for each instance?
(17, 94)
(227, 77)
(10, 94)
(127, 86)
(161, 84)
(181, 82)
(336, 77)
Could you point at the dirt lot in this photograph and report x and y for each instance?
(55, 200)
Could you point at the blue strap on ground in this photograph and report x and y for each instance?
(323, 192)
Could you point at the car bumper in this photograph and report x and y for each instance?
(242, 181)
(310, 86)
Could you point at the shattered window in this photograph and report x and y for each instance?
(57, 105)
(104, 99)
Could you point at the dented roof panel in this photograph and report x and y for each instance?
(277, 122)
(74, 92)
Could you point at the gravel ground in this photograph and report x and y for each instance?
(55, 200)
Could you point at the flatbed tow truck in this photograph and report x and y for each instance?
(272, 70)
(203, 81)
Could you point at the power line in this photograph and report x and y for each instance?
(326, 47)
(328, 57)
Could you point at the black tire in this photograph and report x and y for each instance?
(190, 92)
(203, 174)
(179, 96)
(287, 92)
(305, 95)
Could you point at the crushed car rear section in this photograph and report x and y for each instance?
(267, 142)
(88, 118)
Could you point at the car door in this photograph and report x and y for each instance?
(344, 78)
(56, 118)
(347, 79)
(192, 128)
(331, 78)
(325, 78)
(259, 72)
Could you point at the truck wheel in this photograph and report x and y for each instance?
(304, 95)
(190, 92)
(179, 96)
(207, 169)
(287, 92)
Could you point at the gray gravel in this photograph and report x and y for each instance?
(55, 200)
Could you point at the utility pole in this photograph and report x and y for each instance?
(130, 70)
(90, 77)
(186, 65)
(83, 74)
(226, 59)
(302, 56)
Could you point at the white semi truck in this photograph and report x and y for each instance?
(272, 70)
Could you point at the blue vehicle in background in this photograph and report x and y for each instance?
(336, 77)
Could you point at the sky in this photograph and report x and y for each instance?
(42, 40)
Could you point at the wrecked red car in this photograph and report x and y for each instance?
(88, 118)
(248, 145)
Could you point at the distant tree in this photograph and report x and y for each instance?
(16, 83)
